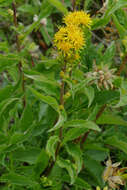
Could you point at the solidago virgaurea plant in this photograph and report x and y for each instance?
(70, 39)
(63, 95)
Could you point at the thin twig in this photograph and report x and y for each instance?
(97, 116)
(48, 170)
(99, 39)
(73, 4)
(122, 66)
(18, 49)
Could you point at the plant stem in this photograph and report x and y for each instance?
(122, 65)
(87, 133)
(18, 49)
(73, 4)
(48, 170)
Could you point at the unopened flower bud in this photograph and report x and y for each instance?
(62, 74)
(74, 81)
(61, 107)
(10, 12)
(67, 95)
(35, 18)
(43, 21)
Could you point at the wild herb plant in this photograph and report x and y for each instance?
(63, 95)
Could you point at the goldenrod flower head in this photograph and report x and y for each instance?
(69, 39)
(78, 18)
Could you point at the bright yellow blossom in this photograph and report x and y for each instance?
(69, 39)
(78, 18)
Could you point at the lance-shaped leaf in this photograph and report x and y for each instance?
(16, 179)
(75, 152)
(59, 6)
(46, 99)
(61, 120)
(109, 118)
(82, 124)
(123, 98)
(40, 77)
(89, 91)
(51, 145)
(73, 133)
(114, 141)
(69, 167)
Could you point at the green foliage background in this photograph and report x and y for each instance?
(30, 111)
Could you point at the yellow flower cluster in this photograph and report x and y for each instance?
(70, 38)
(78, 18)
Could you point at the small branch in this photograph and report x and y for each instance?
(48, 170)
(122, 66)
(73, 4)
(84, 139)
(18, 49)
(87, 133)
(63, 2)
(99, 39)
(100, 112)
(50, 39)
(41, 42)
(16, 25)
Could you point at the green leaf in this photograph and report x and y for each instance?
(73, 133)
(109, 118)
(114, 141)
(8, 60)
(79, 182)
(29, 155)
(75, 152)
(80, 86)
(78, 75)
(96, 151)
(40, 78)
(6, 92)
(109, 53)
(3, 138)
(82, 124)
(46, 10)
(95, 169)
(119, 4)
(51, 146)
(100, 22)
(106, 96)
(61, 120)
(69, 167)
(26, 119)
(18, 137)
(17, 179)
(123, 98)
(46, 99)
(122, 31)
(49, 30)
(7, 105)
(89, 91)
(27, 8)
(41, 162)
(59, 6)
